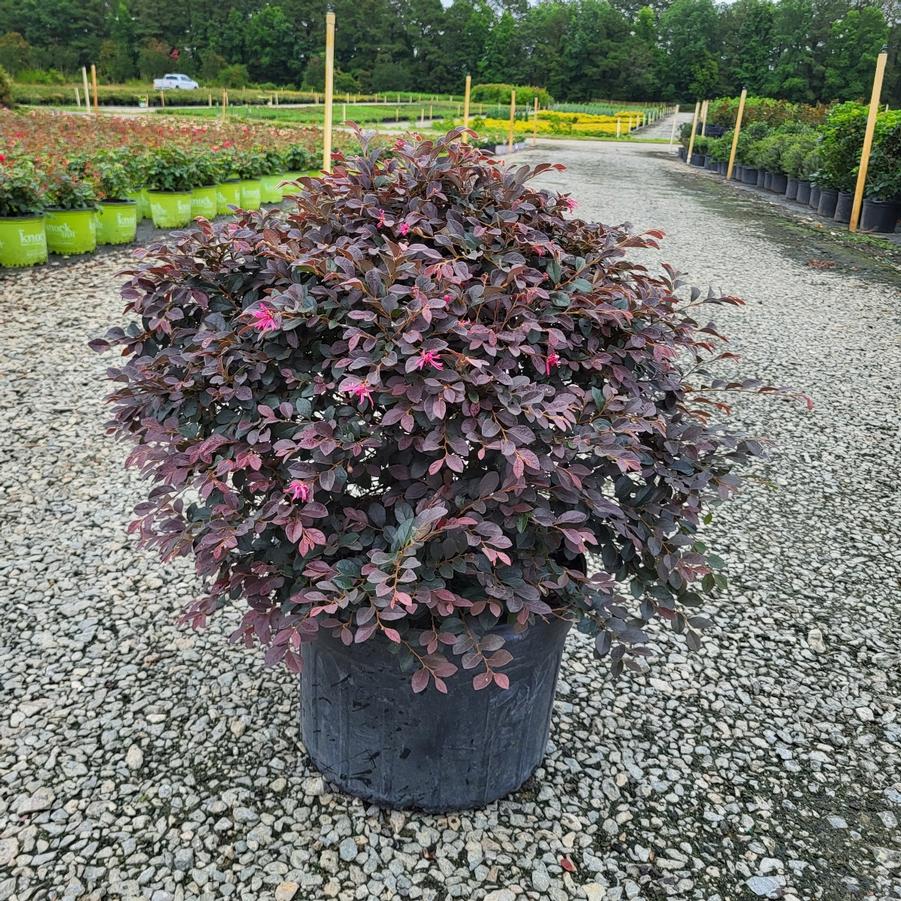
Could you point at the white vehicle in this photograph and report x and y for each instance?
(174, 80)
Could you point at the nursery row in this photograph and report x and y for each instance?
(136, 94)
(64, 190)
(815, 164)
(551, 122)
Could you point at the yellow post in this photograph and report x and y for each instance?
(694, 128)
(94, 84)
(162, 99)
(704, 119)
(619, 126)
(736, 132)
(512, 114)
(672, 137)
(77, 100)
(209, 98)
(87, 93)
(466, 107)
(222, 105)
(431, 113)
(535, 120)
(867, 141)
(329, 88)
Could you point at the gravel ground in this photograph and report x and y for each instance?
(138, 760)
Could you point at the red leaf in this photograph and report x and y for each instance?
(482, 680)
(420, 680)
(501, 680)
(392, 635)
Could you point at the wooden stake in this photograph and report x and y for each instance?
(510, 127)
(672, 137)
(694, 127)
(329, 90)
(535, 119)
(736, 132)
(77, 99)
(466, 91)
(87, 93)
(704, 119)
(867, 142)
(94, 84)
(209, 98)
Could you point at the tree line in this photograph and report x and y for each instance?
(802, 50)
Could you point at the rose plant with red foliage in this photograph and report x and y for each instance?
(414, 406)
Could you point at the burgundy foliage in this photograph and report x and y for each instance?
(410, 409)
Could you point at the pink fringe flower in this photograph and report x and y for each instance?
(264, 320)
(362, 392)
(404, 229)
(429, 358)
(299, 491)
(552, 361)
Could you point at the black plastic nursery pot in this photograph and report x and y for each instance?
(843, 206)
(879, 215)
(803, 195)
(791, 188)
(814, 200)
(723, 167)
(367, 732)
(711, 164)
(763, 178)
(749, 175)
(738, 172)
(682, 153)
(778, 182)
(697, 159)
(828, 200)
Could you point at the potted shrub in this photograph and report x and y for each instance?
(882, 197)
(228, 189)
(843, 134)
(699, 151)
(206, 177)
(117, 215)
(23, 241)
(71, 214)
(170, 180)
(249, 165)
(794, 156)
(400, 454)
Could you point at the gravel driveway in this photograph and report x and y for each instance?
(138, 760)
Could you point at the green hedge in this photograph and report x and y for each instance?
(500, 93)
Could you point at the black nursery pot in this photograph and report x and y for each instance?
(814, 201)
(791, 188)
(778, 182)
(723, 167)
(763, 178)
(843, 206)
(827, 202)
(711, 164)
(738, 172)
(367, 731)
(749, 175)
(879, 215)
(681, 153)
(803, 195)
(697, 159)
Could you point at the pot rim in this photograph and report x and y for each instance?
(28, 217)
(170, 193)
(61, 209)
(118, 202)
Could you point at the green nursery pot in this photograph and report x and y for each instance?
(23, 241)
(138, 198)
(228, 194)
(71, 231)
(270, 192)
(170, 209)
(250, 194)
(117, 222)
(146, 212)
(205, 202)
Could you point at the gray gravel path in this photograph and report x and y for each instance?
(138, 760)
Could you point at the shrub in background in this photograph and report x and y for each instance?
(884, 171)
(842, 140)
(409, 410)
(6, 89)
(21, 189)
(500, 93)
